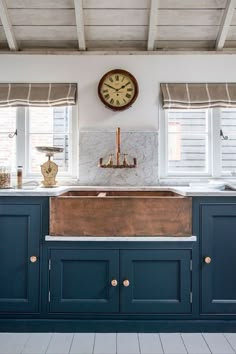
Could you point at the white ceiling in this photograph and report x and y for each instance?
(103, 25)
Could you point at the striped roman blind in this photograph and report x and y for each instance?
(184, 95)
(37, 95)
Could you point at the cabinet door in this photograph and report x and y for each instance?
(159, 281)
(218, 240)
(80, 280)
(19, 240)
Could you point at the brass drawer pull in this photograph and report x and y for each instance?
(114, 282)
(33, 259)
(126, 283)
(207, 260)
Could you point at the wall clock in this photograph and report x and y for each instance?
(118, 89)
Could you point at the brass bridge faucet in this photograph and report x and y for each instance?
(118, 164)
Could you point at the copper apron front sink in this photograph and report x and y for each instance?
(120, 213)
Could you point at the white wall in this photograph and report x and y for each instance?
(87, 70)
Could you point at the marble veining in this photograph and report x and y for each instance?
(142, 145)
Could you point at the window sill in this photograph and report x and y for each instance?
(185, 180)
(61, 181)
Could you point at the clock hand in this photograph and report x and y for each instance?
(111, 87)
(123, 86)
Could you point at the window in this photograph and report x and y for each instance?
(38, 126)
(197, 143)
(187, 141)
(228, 142)
(7, 129)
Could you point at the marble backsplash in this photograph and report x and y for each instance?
(96, 144)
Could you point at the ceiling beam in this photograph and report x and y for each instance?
(6, 22)
(152, 24)
(80, 24)
(225, 24)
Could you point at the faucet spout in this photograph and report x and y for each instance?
(119, 164)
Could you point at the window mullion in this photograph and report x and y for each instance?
(216, 142)
(75, 143)
(21, 135)
(209, 154)
(163, 143)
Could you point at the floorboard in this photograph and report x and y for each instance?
(105, 343)
(37, 343)
(150, 343)
(60, 343)
(173, 343)
(218, 343)
(127, 343)
(195, 343)
(13, 343)
(117, 343)
(83, 343)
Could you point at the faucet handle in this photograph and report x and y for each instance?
(125, 162)
(110, 161)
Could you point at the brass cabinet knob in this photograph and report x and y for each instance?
(126, 283)
(114, 282)
(33, 259)
(207, 260)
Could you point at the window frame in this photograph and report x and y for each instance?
(213, 148)
(22, 145)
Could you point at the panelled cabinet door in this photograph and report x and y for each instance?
(156, 281)
(80, 280)
(218, 240)
(19, 240)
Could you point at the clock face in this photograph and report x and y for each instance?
(118, 89)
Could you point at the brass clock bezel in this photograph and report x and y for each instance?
(125, 73)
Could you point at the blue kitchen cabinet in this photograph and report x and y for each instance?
(80, 281)
(159, 281)
(161, 286)
(148, 281)
(218, 258)
(20, 231)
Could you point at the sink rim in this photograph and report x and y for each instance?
(126, 194)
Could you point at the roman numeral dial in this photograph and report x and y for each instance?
(118, 89)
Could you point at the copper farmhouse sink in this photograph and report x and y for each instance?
(120, 213)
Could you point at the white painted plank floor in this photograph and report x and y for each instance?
(117, 343)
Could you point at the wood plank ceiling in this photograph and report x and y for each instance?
(117, 25)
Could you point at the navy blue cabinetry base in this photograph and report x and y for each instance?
(147, 286)
(116, 325)
(20, 234)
